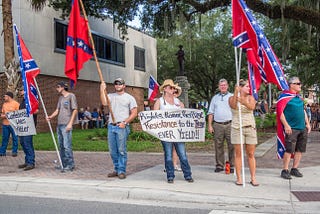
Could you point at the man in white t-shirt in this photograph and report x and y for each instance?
(124, 109)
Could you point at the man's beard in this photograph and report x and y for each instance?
(120, 90)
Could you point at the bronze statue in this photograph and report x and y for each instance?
(180, 57)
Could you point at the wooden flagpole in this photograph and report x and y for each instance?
(96, 59)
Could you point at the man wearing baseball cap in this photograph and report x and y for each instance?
(124, 109)
(27, 141)
(9, 105)
(67, 112)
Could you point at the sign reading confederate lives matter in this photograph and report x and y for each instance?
(21, 122)
(183, 125)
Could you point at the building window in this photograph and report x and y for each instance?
(139, 59)
(60, 35)
(107, 50)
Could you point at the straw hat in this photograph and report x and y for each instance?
(167, 82)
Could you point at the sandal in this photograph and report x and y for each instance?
(253, 183)
(238, 184)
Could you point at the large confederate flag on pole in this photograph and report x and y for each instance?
(78, 49)
(29, 71)
(263, 64)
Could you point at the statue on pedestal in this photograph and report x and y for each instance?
(180, 57)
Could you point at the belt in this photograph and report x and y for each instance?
(249, 126)
(224, 123)
(115, 124)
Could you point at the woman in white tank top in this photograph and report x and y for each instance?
(167, 102)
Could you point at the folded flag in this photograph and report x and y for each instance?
(153, 89)
(29, 70)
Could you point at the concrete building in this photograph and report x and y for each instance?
(44, 33)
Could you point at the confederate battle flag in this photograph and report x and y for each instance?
(263, 64)
(29, 70)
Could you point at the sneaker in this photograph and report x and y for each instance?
(190, 180)
(122, 176)
(170, 181)
(112, 174)
(285, 174)
(21, 166)
(295, 172)
(218, 170)
(28, 167)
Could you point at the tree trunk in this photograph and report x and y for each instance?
(7, 32)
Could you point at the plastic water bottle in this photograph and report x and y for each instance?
(227, 167)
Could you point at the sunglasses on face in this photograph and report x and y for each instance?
(296, 83)
(118, 83)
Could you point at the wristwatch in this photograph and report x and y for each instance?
(124, 122)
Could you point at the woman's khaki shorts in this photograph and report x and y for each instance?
(249, 135)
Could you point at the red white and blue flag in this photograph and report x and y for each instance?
(29, 70)
(264, 65)
(78, 48)
(153, 88)
(283, 100)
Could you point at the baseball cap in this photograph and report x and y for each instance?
(120, 80)
(9, 93)
(62, 84)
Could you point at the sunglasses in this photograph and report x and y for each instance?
(296, 83)
(172, 88)
(118, 83)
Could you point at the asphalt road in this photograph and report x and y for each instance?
(35, 205)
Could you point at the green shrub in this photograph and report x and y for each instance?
(141, 136)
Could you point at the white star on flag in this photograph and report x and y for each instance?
(80, 44)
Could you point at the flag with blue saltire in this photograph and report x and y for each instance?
(264, 65)
(29, 70)
(282, 102)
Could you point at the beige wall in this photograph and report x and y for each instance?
(37, 30)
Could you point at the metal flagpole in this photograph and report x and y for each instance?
(46, 115)
(96, 58)
(238, 67)
(270, 96)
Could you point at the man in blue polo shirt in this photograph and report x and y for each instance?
(220, 114)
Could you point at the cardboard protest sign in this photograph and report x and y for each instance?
(22, 124)
(183, 125)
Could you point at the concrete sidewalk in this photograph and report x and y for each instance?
(209, 191)
(146, 182)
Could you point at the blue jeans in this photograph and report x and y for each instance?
(6, 131)
(181, 152)
(27, 146)
(65, 143)
(117, 142)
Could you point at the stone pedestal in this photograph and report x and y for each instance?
(185, 86)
